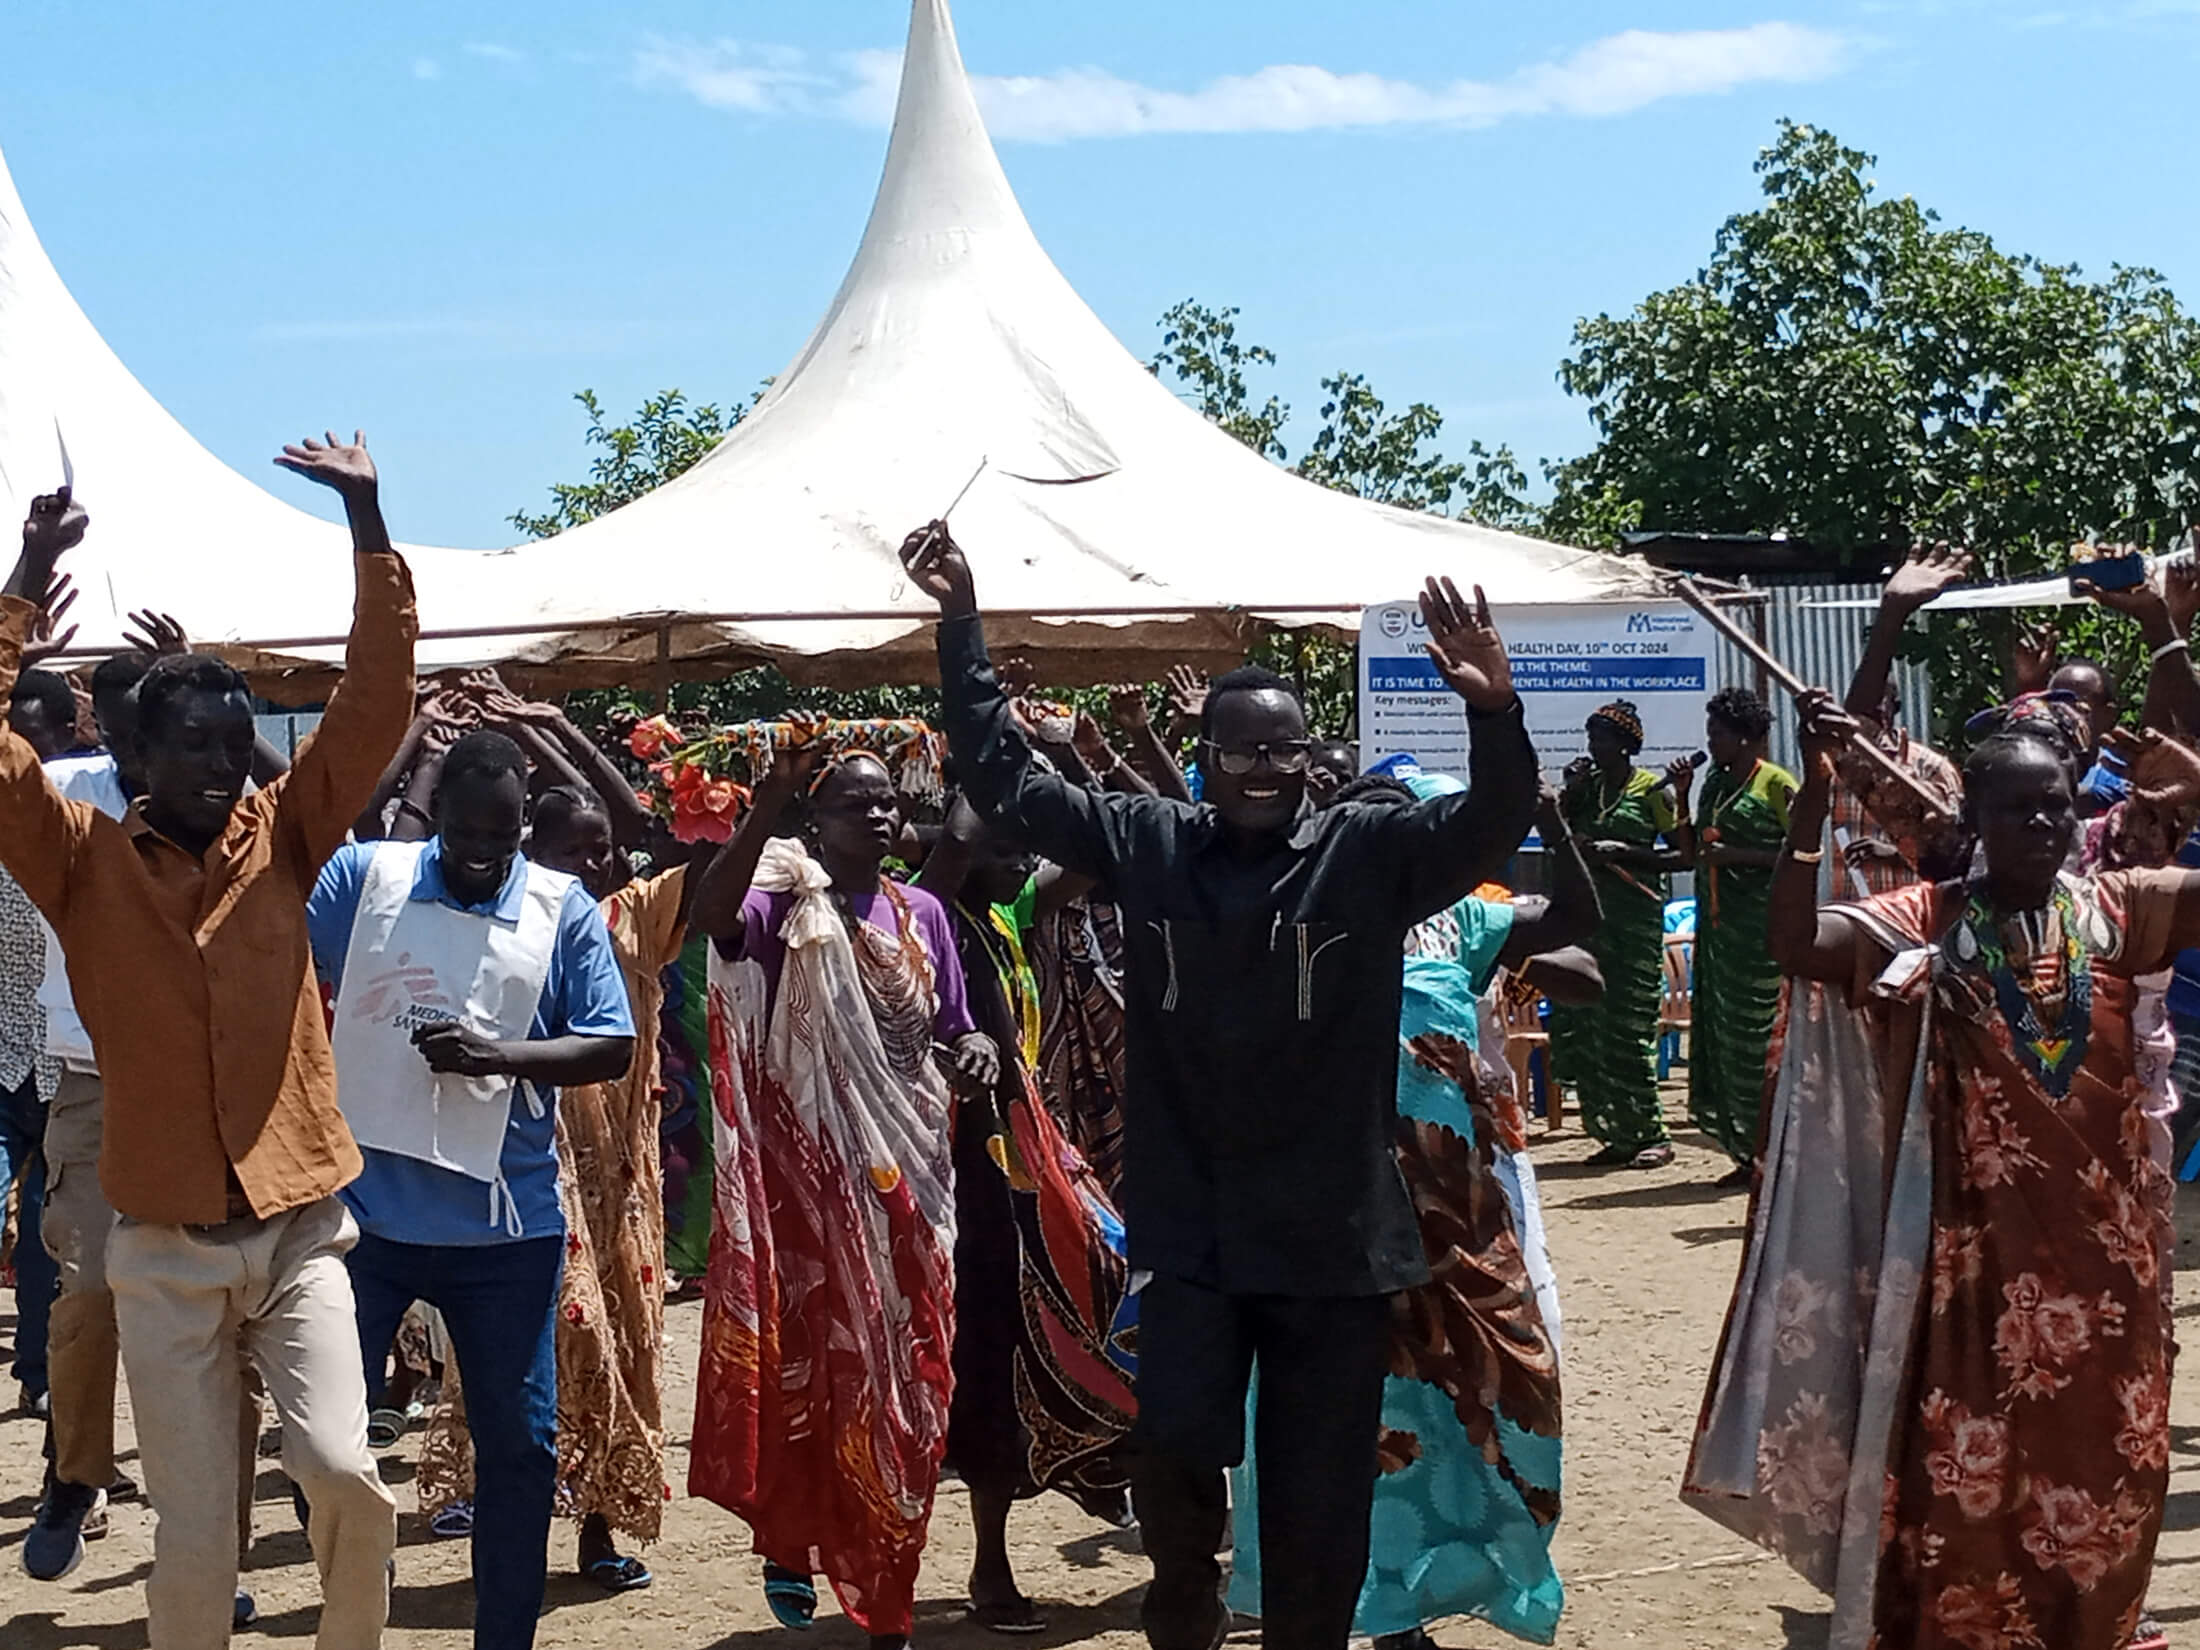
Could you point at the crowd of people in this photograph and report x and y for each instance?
(1105, 1125)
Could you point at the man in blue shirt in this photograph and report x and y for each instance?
(470, 985)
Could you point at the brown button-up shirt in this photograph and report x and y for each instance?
(193, 976)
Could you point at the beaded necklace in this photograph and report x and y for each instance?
(2052, 981)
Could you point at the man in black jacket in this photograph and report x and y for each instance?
(1264, 947)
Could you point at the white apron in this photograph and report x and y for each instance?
(414, 963)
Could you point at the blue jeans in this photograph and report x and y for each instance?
(499, 1303)
(22, 1154)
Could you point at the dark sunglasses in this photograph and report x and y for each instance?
(1286, 756)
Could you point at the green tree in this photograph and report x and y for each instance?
(1361, 447)
(1849, 371)
(666, 437)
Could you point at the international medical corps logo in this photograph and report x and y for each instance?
(406, 997)
(1394, 622)
(1659, 624)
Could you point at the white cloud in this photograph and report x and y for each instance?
(727, 74)
(490, 51)
(1612, 76)
(426, 68)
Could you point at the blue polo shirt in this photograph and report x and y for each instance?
(407, 1201)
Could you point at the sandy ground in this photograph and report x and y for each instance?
(1645, 1265)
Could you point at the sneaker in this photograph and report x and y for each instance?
(38, 1405)
(55, 1544)
(247, 1610)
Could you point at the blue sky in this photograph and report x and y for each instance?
(438, 222)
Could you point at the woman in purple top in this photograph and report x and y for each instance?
(837, 997)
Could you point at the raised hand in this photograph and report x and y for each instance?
(1680, 773)
(54, 527)
(2181, 589)
(1927, 572)
(1018, 679)
(47, 638)
(1091, 742)
(1465, 648)
(1187, 693)
(2136, 601)
(2165, 773)
(1127, 707)
(2032, 656)
(348, 469)
(937, 566)
(1825, 729)
(156, 633)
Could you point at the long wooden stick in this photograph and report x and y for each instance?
(1796, 687)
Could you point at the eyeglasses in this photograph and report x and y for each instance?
(1285, 756)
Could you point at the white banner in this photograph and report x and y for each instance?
(1567, 661)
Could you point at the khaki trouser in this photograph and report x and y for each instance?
(181, 1294)
(80, 1354)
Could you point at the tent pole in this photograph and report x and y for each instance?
(664, 669)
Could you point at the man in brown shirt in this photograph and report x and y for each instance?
(184, 927)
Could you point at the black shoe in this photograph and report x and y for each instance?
(247, 1611)
(55, 1544)
(36, 1404)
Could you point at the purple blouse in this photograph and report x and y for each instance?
(763, 914)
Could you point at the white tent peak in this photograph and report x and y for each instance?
(1115, 530)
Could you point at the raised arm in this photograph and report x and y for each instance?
(1148, 756)
(1571, 912)
(337, 771)
(1804, 940)
(2173, 692)
(1067, 823)
(1446, 848)
(714, 908)
(1925, 574)
(40, 832)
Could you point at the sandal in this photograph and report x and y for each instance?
(1610, 1157)
(1652, 1157)
(793, 1598)
(454, 1521)
(1017, 1616)
(2148, 1634)
(618, 1573)
(384, 1428)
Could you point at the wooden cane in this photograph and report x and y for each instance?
(1796, 687)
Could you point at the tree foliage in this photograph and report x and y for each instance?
(1360, 447)
(1848, 371)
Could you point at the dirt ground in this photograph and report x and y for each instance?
(1645, 1264)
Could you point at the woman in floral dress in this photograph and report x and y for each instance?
(1943, 1390)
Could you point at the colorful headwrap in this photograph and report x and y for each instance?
(2057, 710)
(1624, 719)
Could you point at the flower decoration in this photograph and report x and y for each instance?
(704, 782)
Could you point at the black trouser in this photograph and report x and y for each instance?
(1321, 1403)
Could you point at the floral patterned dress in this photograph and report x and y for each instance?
(1943, 1392)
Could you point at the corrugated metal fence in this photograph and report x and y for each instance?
(1823, 646)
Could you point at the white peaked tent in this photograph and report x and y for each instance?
(1113, 531)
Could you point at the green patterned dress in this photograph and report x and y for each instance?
(1737, 982)
(1607, 1053)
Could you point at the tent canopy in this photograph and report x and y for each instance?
(1114, 530)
